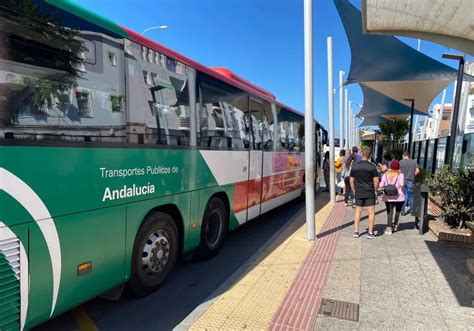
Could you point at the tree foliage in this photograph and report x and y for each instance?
(393, 132)
(456, 190)
(33, 38)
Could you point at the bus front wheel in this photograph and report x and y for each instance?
(213, 228)
(154, 253)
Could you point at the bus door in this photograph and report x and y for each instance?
(255, 160)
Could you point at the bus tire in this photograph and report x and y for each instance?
(213, 229)
(154, 254)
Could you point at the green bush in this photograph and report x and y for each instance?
(456, 191)
(422, 177)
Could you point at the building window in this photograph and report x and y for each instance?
(117, 103)
(162, 60)
(150, 56)
(147, 77)
(113, 59)
(154, 79)
(82, 55)
(157, 58)
(445, 117)
(143, 53)
(84, 104)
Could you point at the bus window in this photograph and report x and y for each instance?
(158, 98)
(56, 81)
(222, 115)
(257, 124)
(291, 130)
(270, 127)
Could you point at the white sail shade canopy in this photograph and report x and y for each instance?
(450, 23)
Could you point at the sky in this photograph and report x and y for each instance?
(260, 40)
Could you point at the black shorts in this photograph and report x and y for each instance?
(365, 202)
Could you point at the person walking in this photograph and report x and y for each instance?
(409, 168)
(338, 167)
(326, 171)
(357, 152)
(346, 175)
(392, 185)
(364, 182)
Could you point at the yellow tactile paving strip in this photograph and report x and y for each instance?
(253, 300)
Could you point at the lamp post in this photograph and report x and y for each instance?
(457, 99)
(309, 118)
(410, 133)
(158, 27)
(341, 106)
(332, 175)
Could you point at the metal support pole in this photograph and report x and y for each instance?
(441, 111)
(354, 130)
(410, 133)
(332, 175)
(346, 116)
(454, 121)
(351, 135)
(341, 118)
(308, 119)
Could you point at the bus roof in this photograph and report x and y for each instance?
(119, 30)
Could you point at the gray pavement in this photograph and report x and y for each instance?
(402, 281)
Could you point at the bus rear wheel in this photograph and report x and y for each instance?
(213, 228)
(154, 253)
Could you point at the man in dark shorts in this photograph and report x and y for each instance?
(364, 183)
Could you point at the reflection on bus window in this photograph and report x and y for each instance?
(159, 99)
(222, 120)
(58, 82)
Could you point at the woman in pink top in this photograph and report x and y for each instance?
(393, 177)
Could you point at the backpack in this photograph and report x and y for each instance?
(390, 189)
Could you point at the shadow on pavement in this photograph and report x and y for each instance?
(452, 263)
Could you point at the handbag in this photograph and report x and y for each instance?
(391, 190)
(341, 184)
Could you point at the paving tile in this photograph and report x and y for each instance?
(212, 322)
(331, 323)
(343, 283)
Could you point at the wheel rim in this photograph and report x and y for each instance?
(213, 229)
(155, 253)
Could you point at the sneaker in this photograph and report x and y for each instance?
(370, 235)
(395, 228)
(356, 234)
(388, 230)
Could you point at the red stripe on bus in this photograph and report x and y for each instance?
(247, 193)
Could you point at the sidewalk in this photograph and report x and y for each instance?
(399, 281)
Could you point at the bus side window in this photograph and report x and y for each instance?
(55, 81)
(223, 121)
(269, 127)
(158, 98)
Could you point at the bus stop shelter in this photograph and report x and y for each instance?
(389, 66)
(447, 23)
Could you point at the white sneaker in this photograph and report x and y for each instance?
(388, 230)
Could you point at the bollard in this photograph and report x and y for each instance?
(420, 208)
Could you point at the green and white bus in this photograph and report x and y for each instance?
(117, 155)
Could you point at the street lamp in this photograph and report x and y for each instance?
(457, 99)
(410, 133)
(158, 27)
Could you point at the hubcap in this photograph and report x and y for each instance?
(156, 252)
